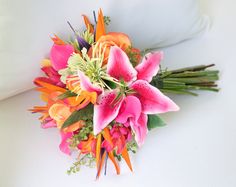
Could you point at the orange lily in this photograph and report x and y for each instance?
(83, 97)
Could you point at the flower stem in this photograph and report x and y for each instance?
(187, 80)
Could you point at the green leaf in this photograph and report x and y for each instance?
(83, 114)
(66, 95)
(155, 121)
(111, 84)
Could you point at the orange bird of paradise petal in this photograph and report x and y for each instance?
(88, 24)
(57, 40)
(98, 149)
(112, 158)
(100, 29)
(125, 155)
(101, 164)
(48, 86)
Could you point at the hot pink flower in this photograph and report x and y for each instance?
(59, 55)
(64, 145)
(132, 107)
(120, 135)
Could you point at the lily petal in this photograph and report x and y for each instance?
(105, 111)
(140, 129)
(87, 85)
(64, 146)
(131, 107)
(119, 66)
(59, 55)
(149, 66)
(152, 100)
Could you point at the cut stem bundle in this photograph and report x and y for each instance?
(187, 80)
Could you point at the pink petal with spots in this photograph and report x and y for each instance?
(86, 84)
(64, 146)
(140, 129)
(105, 111)
(130, 108)
(149, 66)
(152, 100)
(119, 66)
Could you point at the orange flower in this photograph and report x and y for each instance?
(83, 97)
(113, 38)
(88, 146)
(60, 112)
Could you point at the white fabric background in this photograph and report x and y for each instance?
(25, 27)
(196, 149)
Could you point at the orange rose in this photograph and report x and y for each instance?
(110, 39)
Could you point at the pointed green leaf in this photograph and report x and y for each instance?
(83, 114)
(155, 121)
(66, 95)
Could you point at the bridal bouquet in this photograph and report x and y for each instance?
(103, 95)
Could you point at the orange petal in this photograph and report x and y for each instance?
(74, 101)
(49, 86)
(113, 38)
(121, 39)
(39, 109)
(112, 158)
(44, 97)
(101, 164)
(44, 90)
(125, 155)
(59, 112)
(100, 29)
(75, 126)
(98, 149)
(93, 97)
(88, 24)
(45, 63)
(107, 136)
(57, 40)
(85, 146)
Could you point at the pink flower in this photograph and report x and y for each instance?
(48, 123)
(65, 136)
(53, 76)
(59, 55)
(65, 145)
(132, 107)
(120, 135)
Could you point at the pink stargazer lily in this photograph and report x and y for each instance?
(132, 107)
